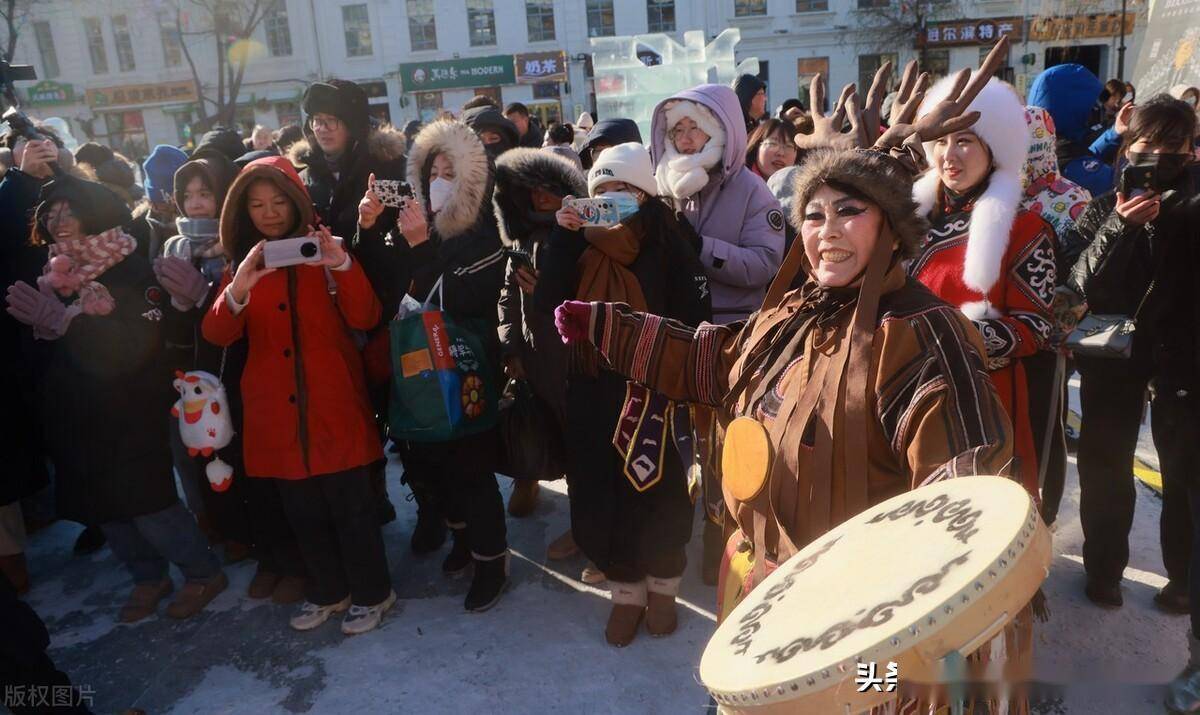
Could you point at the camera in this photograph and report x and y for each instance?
(291, 252)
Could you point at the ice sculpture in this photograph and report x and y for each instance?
(635, 72)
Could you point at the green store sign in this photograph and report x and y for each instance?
(47, 92)
(457, 74)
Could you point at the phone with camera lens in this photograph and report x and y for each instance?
(291, 252)
(1137, 180)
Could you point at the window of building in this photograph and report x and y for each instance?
(279, 35)
(183, 127)
(356, 25)
(936, 62)
(539, 19)
(169, 30)
(123, 43)
(806, 69)
(873, 4)
(812, 5)
(429, 105)
(127, 133)
(601, 20)
(493, 92)
(546, 90)
(660, 15)
(422, 25)
(95, 40)
(45, 43)
(749, 8)
(481, 22)
(868, 65)
(287, 113)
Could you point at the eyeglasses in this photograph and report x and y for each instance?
(322, 123)
(690, 131)
(780, 146)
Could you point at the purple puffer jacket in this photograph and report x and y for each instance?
(736, 215)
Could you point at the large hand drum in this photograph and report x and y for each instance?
(938, 570)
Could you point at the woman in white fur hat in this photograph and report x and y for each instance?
(630, 511)
(983, 253)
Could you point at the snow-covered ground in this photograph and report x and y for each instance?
(541, 649)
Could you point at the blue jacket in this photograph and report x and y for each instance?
(1070, 93)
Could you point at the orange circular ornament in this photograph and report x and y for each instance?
(746, 458)
(473, 400)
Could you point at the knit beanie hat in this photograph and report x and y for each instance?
(159, 171)
(745, 87)
(343, 99)
(220, 139)
(96, 206)
(628, 162)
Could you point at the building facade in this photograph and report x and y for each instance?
(118, 72)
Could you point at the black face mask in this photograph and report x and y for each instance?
(1167, 167)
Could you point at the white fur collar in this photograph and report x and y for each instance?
(991, 224)
(681, 175)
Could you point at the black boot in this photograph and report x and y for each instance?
(430, 532)
(491, 577)
(1173, 598)
(90, 540)
(459, 557)
(1183, 693)
(1104, 593)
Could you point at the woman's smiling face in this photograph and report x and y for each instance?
(839, 234)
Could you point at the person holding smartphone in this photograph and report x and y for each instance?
(1140, 254)
(308, 421)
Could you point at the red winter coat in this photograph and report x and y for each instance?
(1013, 315)
(306, 406)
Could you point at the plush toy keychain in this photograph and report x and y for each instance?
(204, 422)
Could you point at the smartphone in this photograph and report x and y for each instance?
(291, 252)
(598, 211)
(1137, 180)
(520, 259)
(392, 191)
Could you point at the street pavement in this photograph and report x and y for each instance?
(540, 650)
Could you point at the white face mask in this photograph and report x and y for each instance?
(439, 193)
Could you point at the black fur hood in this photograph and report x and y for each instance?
(518, 171)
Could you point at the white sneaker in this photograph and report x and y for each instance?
(361, 619)
(311, 615)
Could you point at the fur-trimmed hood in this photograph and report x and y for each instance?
(518, 171)
(472, 180)
(383, 143)
(1002, 128)
(723, 104)
(880, 178)
(278, 171)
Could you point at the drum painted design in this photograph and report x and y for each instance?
(935, 570)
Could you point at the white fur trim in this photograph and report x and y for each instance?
(979, 310)
(1003, 128)
(698, 113)
(632, 594)
(472, 180)
(663, 586)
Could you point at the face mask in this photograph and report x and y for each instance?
(626, 203)
(1167, 167)
(439, 193)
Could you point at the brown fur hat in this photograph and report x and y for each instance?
(876, 177)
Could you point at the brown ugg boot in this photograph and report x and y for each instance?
(564, 547)
(290, 589)
(16, 570)
(661, 619)
(195, 595)
(629, 605)
(263, 584)
(143, 602)
(524, 497)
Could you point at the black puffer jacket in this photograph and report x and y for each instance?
(525, 331)
(1115, 271)
(464, 244)
(336, 199)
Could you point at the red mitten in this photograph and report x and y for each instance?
(574, 321)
